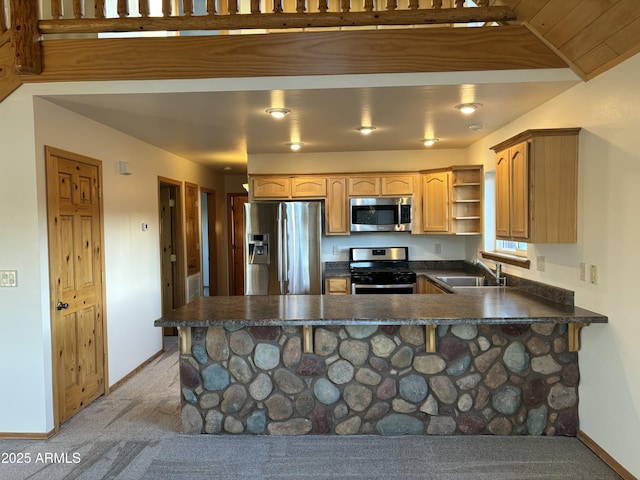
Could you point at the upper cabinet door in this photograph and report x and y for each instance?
(519, 191)
(435, 198)
(397, 185)
(537, 186)
(336, 209)
(364, 186)
(503, 194)
(309, 187)
(275, 188)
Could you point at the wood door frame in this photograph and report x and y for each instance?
(180, 280)
(212, 214)
(49, 152)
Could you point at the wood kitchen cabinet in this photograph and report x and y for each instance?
(270, 188)
(427, 286)
(452, 200)
(364, 186)
(397, 185)
(466, 199)
(287, 188)
(382, 185)
(537, 186)
(336, 207)
(435, 202)
(308, 187)
(337, 286)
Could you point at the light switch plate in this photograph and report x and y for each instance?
(8, 278)
(593, 274)
(540, 263)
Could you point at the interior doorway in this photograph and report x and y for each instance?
(76, 268)
(209, 243)
(235, 202)
(171, 247)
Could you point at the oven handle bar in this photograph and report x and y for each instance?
(356, 286)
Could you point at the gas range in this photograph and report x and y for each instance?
(381, 270)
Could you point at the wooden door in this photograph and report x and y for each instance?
(503, 194)
(76, 261)
(435, 208)
(192, 225)
(236, 242)
(519, 192)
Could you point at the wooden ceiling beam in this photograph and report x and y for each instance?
(296, 54)
(9, 80)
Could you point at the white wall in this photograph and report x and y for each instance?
(608, 110)
(132, 257)
(336, 162)
(25, 353)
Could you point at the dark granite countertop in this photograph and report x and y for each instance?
(492, 305)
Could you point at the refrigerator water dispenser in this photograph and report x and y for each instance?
(258, 249)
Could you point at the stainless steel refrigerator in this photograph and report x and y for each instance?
(282, 248)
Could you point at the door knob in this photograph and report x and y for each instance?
(62, 306)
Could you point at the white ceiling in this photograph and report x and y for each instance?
(220, 129)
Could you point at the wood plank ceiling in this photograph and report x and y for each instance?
(592, 36)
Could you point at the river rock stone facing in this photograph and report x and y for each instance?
(364, 379)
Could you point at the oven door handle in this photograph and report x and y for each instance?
(356, 286)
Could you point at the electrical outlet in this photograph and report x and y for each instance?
(336, 250)
(540, 263)
(583, 271)
(593, 274)
(437, 248)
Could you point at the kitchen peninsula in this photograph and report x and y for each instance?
(486, 360)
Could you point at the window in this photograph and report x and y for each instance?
(511, 247)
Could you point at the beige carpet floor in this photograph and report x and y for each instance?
(134, 433)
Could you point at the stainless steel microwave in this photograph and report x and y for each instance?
(381, 214)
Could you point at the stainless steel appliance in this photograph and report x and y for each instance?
(381, 214)
(282, 248)
(381, 270)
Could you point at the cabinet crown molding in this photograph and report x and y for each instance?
(528, 134)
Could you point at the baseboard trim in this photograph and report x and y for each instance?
(133, 372)
(48, 435)
(27, 436)
(604, 456)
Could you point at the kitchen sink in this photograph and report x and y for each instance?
(464, 281)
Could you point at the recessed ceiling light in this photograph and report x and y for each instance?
(278, 112)
(227, 169)
(468, 108)
(366, 130)
(476, 126)
(428, 142)
(295, 146)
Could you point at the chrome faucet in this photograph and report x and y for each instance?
(497, 275)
